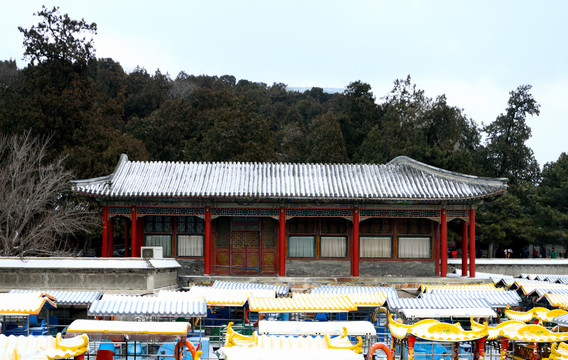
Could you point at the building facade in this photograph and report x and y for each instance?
(256, 219)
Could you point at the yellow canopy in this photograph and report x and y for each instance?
(302, 303)
(117, 330)
(42, 347)
(493, 331)
(25, 303)
(558, 300)
(233, 338)
(540, 313)
(532, 333)
(428, 287)
(430, 329)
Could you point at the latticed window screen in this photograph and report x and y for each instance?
(158, 224)
(165, 241)
(269, 228)
(375, 247)
(414, 247)
(223, 225)
(302, 246)
(333, 246)
(190, 224)
(190, 245)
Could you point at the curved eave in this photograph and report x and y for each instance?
(99, 196)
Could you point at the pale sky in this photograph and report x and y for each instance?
(475, 52)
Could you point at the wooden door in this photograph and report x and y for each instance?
(245, 253)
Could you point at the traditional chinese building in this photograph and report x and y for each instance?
(273, 219)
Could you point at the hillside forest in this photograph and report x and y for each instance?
(92, 110)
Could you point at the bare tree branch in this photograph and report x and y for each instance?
(38, 213)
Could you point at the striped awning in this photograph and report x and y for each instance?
(401, 179)
(68, 298)
(302, 303)
(151, 306)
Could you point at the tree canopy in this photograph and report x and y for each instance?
(93, 111)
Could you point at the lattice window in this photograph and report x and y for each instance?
(223, 225)
(269, 229)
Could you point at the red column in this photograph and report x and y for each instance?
(104, 252)
(126, 252)
(464, 248)
(207, 244)
(443, 243)
(282, 242)
(110, 238)
(139, 235)
(481, 348)
(471, 242)
(355, 260)
(437, 249)
(133, 230)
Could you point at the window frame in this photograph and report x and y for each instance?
(398, 241)
(314, 246)
(390, 237)
(346, 240)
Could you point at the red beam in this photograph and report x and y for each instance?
(207, 244)
(443, 243)
(282, 242)
(471, 242)
(355, 261)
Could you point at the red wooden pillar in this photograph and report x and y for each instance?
(472, 243)
(104, 251)
(207, 244)
(355, 261)
(443, 243)
(110, 238)
(139, 235)
(133, 231)
(282, 242)
(464, 249)
(126, 252)
(436, 249)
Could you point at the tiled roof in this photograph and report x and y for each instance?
(67, 298)
(401, 179)
(126, 305)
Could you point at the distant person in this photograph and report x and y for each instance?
(553, 254)
(535, 252)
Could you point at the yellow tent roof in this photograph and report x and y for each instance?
(540, 313)
(233, 338)
(302, 303)
(219, 296)
(558, 300)
(368, 299)
(430, 329)
(42, 347)
(493, 331)
(25, 303)
(428, 288)
(128, 327)
(532, 333)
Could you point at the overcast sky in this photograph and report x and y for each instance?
(475, 52)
